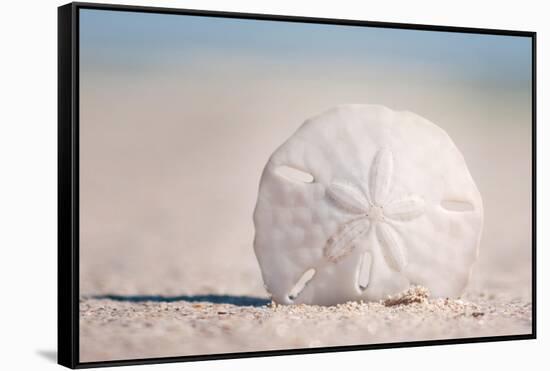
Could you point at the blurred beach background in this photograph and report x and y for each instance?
(179, 114)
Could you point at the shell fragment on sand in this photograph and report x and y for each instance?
(371, 218)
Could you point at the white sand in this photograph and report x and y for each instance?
(115, 329)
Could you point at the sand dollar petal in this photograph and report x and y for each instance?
(348, 197)
(391, 247)
(380, 176)
(344, 241)
(405, 209)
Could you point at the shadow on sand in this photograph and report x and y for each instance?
(242, 301)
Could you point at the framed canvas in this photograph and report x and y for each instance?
(242, 185)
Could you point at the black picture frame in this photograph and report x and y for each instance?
(68, 181)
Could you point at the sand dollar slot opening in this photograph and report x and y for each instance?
(301, 284)
(457, 205)
(294, 174)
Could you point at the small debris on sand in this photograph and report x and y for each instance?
(415, 294)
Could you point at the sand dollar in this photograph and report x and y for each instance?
(362, 202)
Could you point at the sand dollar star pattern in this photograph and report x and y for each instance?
(372, 210)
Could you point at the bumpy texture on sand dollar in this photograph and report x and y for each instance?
(391, 204)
